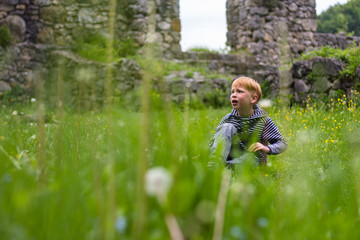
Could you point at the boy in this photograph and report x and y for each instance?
(247, 131)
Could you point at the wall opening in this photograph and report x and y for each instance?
(203, 24)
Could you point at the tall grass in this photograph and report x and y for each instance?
(74, 174)
(310, 191)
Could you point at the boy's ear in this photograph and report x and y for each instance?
(254, 98)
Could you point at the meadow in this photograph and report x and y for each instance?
(120, 173)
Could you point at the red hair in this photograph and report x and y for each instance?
(249, 84)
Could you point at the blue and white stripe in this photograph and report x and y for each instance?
(257, 128)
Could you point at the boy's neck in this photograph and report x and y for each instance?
(246, 113)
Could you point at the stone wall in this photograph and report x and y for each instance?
(320, 78)
(21, 17)
(258, 26)
(265, 35)
(237, 64)
(40, 26)
(62, 22)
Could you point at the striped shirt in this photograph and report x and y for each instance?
(259, 127)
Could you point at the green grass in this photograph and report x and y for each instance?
(83, 183)
(350, 56)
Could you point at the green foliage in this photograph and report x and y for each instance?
(15, 95)
(88, 176)
(265, 89)
(93, 47)
(5, 36)
(202, 50)
(350, 55)
(340, 18)
(125, 47)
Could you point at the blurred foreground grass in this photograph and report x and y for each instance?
(64, 190)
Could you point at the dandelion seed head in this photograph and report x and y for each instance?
(265, 103)
(158, 181)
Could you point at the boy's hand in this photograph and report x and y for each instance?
(259, 147)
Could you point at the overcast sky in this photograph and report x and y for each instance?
(203, 22)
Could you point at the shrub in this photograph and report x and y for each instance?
(350, 55)
(5, 36)
(93, 46)
(202, 50)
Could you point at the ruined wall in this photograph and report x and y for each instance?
(275, 32)
(62, 22)
(266, 35)
(40, 26)
(321, 78)
(258, 26)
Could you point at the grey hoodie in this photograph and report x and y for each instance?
(236, 134)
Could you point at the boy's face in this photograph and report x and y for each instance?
(242, 100)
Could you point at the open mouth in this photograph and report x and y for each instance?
(234, 101)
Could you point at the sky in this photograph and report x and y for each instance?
(203, 22)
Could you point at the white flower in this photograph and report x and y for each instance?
(158, 181)
(33, 100)
(265, 103)
(14, 113)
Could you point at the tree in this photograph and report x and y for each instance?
(340, 18)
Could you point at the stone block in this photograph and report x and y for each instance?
(301, 69)
(4, 87)
(258, 35)
(26, 2)
(293, 7)
(261, 11)
(321, 84)
(336, 84)
(168, 38)
(53, 14)
(357, 74)
(12, 2)
(18, 12)
(21, 7)
(176, 25)
(312, 3)
(17, 27)
(89, 16)
(138, 25)
(46, 35)
(326, 67)
(301, 87)
(3, 15)
(32, 12)
(255, 22)
(5, 7)
(34, 18)
(267, 37)
(164, 25)
(309, 25)
(42, 2)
